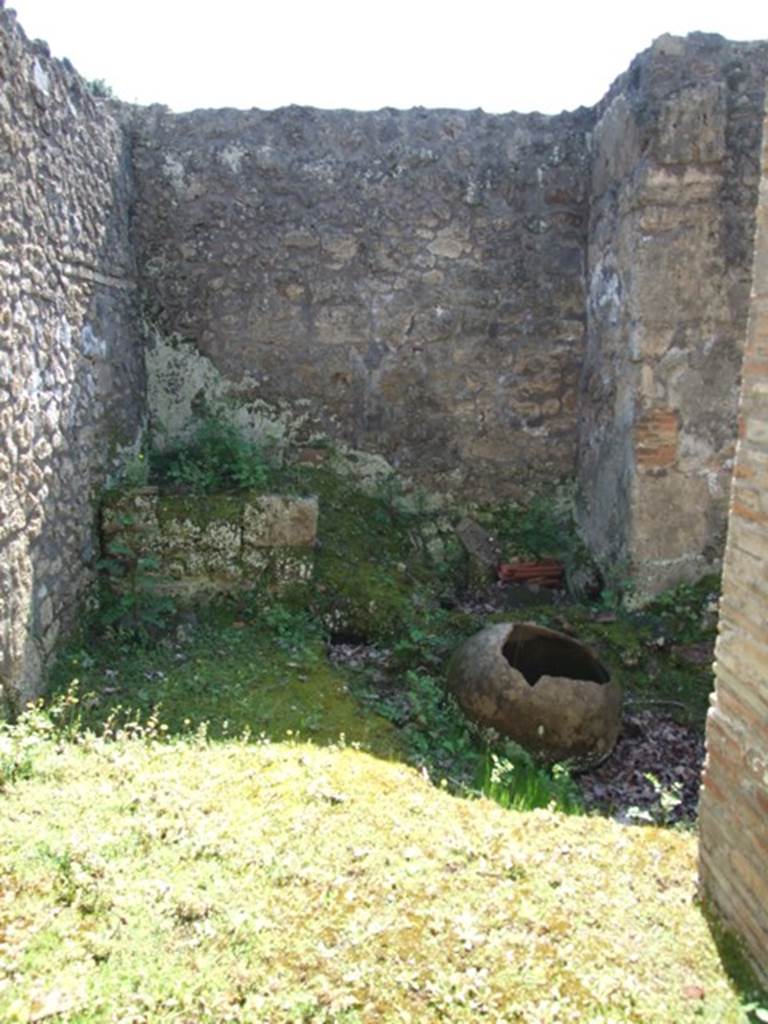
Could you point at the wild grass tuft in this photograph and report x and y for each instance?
(515, 781)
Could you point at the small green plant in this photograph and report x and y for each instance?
(618, 587)
(426, 644)
(543, 528)
(688, 612)
(216, 458)
(131, 601)
(99, 87)
(136, 471)
(514, 780)
(20, 743)
(435, 733)
(667, 807)
(294, 628)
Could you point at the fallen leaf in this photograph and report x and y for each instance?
(693, 992)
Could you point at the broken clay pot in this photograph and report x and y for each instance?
(542, 689)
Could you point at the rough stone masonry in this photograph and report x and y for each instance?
(494, 303)
(71, 368)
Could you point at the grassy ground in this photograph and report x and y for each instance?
(222, 825)
(229, 675)
(149, 880)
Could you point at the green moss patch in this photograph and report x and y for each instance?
(228, 676)
(170, 881)
(373, 570)
(200, 509)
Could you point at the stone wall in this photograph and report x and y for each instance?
(207, 544)
(410, 283)
(71, 376)
(675, 166)
(734, 801)
(490, 304)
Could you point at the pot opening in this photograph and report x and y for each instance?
(536, 652)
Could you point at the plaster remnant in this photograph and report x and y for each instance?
(40, 77)
(232, 156)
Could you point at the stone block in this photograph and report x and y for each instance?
(692, 126)
(203, 544)
(274, 521)
(212, 551)
(133, 510)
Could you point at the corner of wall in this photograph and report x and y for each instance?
(71, 372)
(673, 191)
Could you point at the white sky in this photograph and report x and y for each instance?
(496, 54)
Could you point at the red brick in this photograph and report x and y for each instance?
(656, 436)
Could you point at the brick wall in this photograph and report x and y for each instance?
(734, 803)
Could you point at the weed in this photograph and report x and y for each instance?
(687, 612)
(514, 780)
(130, 600)
(617, 588)
(426, 643)
(669, 797)
(543, 528)
(666, 810)
(20, 743)
(293, 628)
(99, 87)
(216, 458)
(136, 471)
(536, 529)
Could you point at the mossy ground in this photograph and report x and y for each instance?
(373, 571)
(220, 826)
(229, 674)
(149, 880)
(387, 573)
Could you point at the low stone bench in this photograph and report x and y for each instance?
(206, 544)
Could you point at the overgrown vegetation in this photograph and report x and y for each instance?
(228, 835)
(389, 573)
(215, 458)
(130, 602)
